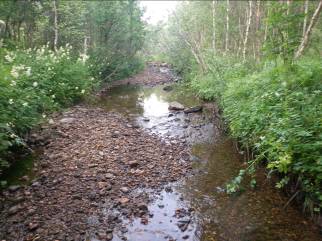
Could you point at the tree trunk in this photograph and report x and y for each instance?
(213, 27)
(227, 28)
(308, 31)
(306, 9)
(55, 25)
(247, 30)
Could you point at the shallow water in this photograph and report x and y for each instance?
(199, 200)
(251, 215)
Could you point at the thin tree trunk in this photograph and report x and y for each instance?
(306, 9)
(227, 28)
(213, 27)
(247, 30)
(55, 25)
(308, 31)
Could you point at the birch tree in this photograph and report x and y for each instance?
(227, 27)
(214, 26)
(55, 25)
(306, 9)
(247, 30)
(308, 31)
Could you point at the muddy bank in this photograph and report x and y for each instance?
(90, 172)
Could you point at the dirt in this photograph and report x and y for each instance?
(90, 176)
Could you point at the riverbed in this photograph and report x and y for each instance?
(84, 184)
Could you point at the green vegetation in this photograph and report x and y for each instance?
(264, 69)
(53, 53)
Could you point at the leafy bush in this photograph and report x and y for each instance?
(34, 83)
(278, 113)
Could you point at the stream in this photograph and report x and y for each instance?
(251, 215)
(195, 208)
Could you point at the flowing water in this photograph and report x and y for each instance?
(199, 201)
(197, 208)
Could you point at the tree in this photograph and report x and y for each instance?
(305, 39)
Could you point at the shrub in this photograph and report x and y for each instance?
(33, 83)
(278, 112)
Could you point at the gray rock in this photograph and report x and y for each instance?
(175, 106)
(67, 120)
(13, 210)
(13, 188)
(193, 109)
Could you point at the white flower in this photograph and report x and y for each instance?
(14, 72)
(12, 135)
(83, 91)
(44, 116)
(13, 83)
(11, 101)
(76, 88)
(35, 84)
(25, 104)
(53, 96)
(9, 58)
(92, 79)
(28, 71)
(83, 57)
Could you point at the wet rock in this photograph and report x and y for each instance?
(143, 206)
(185, 237)
(168, 88)
(175, 106)
(193, 109)
(109, 236)
(13, 188)
(146, 119)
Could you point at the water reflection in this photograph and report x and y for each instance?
(254, 215)
(155, 106)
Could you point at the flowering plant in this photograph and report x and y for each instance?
(34, 82)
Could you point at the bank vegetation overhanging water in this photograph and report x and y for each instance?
(261, 61)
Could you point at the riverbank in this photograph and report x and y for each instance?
(128, 168)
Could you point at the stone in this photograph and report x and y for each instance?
(133, 164)
(13, 188)
(13, 210)
(175, 106)
(124, 189)
(168, 88)
(124, 200)
(143, 206)
(67, 120)
(193, 109)
(32, 226)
